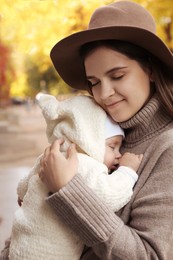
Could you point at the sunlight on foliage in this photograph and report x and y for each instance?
(19, 86)
(31, 28)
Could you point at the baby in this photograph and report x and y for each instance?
(36, 232)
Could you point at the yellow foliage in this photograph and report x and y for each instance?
(19, 86)
(32, 27)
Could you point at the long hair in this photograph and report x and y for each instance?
(163, 76)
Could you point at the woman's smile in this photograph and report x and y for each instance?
(114, 104)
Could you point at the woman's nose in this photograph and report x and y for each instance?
(107, 90)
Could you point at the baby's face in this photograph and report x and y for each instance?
(112, 151)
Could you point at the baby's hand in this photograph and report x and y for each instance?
(131, 160)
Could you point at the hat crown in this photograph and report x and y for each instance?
(122, 13)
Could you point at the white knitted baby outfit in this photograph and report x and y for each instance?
(37, 232)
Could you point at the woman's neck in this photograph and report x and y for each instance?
(149, 121)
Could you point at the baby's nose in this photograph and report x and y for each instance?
(118, 155)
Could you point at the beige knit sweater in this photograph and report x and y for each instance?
(143, 229)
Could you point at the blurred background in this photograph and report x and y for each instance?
(28, 31)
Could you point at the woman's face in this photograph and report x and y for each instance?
(119, 84)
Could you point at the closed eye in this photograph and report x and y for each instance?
(117, 78)
(92, 84)
(112, 147)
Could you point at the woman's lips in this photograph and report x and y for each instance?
(113, 104)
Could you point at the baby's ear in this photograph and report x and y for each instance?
(49, 105)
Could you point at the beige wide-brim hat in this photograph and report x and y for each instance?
(123, 20)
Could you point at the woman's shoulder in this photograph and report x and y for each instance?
(161, 142)
(166, 135)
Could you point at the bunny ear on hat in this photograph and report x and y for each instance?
(49, 105)
(50, 110)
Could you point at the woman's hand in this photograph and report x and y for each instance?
(56, 170)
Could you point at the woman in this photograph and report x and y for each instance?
(128, 69)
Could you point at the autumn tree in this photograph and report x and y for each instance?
(6, 74)
(33, 27)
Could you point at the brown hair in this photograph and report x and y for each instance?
(163, 78)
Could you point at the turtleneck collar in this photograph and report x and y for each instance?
(149, 121)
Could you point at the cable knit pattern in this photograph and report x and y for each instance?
(143, 228)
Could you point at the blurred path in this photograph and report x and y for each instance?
(22, 139)
(8, 199)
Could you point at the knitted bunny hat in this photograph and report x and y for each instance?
(79, 120)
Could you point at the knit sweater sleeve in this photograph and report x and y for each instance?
(144, 232)
(114, 189)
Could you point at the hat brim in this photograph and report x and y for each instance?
(66, 58)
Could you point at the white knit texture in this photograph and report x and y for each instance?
(79, 120)
(37, 232)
